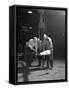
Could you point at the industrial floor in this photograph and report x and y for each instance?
(35, 73)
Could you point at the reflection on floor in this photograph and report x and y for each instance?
(35, 73)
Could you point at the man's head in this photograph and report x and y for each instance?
(30, 41)
(45, 36)
(35, 39)
(38, 39)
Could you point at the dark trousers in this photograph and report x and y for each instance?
(28, 56)
(43, 60)
(39, 60)
(49, 59)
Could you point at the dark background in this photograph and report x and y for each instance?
(55, 22)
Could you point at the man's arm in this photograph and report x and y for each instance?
(51, 44)
(32, 48)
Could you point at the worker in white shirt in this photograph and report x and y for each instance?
(48, 45)
(28, 52)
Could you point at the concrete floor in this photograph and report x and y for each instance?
(35, 73)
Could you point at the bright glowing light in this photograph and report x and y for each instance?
(29, 11)
(30, 27)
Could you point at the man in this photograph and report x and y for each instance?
(38, 52)
(47, 45)
(28, 53)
